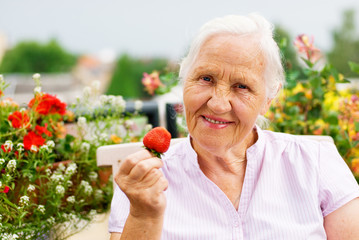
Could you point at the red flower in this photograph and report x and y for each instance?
(48, 104)
(19, 119)
(33, 139)
(40, 130)
(6, 150)
(1, 93)
(6, 189)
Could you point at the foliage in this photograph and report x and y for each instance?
(283, 39)
(315, 106)
(38, 195)
(31, 56)
(346, 44)
(126, 80)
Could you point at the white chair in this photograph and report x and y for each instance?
(111, 155)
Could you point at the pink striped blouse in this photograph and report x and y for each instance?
(290, 185)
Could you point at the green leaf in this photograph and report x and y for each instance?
(309, 63)
(354, 67)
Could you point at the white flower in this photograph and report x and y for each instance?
(71, 199)
(0, 187)
(81, 122)
(92, 213)
(111, 99)
(31, 188)
(36, 76)
(8, 145)
(61, 167)
(50, 144)
(41, 208)
(120, 103)
(60, 190)
(86, 92)
(57, 177)
(103, 99)
(129, 123)
(85, 147)
(2, 161)
(0, 217)
(138, 105)
(69, 183)
(1, 78)
(22, 110)
(51, 220)
(93, 176)
(95, 85)
(86, 186)
(48, 171)
(98, 194)
(11, 165)
(34, 148)
(148, 127)
(20, 147)
(37, 90)
(72, 216)
(71, 169)
(44, 148)
(24, 200)
(103, 137)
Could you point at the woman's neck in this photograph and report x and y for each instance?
(228, 170)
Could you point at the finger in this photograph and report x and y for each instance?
(160, 185)
(143, 167)
(132, 159)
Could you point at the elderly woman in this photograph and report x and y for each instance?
(229, 179)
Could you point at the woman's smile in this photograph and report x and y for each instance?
(215, 122)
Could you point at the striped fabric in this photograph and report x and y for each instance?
(290, 185)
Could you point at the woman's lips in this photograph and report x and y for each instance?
(215, 122)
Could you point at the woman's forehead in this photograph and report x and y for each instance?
(241, 48)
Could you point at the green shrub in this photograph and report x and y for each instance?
(31, 56)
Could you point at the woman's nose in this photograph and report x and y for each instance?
(219, 102)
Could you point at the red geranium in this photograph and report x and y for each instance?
(1, 93)
(19, 119)
(48, 104)
(6, 189)
(40, 130)
(6, 149)
(33, 139)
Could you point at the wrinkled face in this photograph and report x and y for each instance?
(224, 92)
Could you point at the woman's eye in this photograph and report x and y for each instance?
(242, 86)
(206, 78)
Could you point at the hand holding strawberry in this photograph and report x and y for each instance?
(157, 141)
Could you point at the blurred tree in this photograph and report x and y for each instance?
(285, 42)
(346, 44)
(127, 77)
(31, 57)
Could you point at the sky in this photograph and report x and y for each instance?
(161, 28)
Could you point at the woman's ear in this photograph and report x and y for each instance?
(266, 106)
(269, 101)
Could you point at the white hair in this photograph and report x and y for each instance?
(250, 25)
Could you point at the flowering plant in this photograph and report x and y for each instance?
(156, 84)
(315, 106)
(40, 194)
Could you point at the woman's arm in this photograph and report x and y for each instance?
(343, 223)
(140, 178)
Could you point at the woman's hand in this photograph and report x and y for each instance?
(141, 179)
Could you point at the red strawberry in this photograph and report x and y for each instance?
(157, 140)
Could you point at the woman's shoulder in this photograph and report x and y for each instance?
(299, 141)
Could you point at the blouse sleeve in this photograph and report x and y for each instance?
(337, 185)
(120, 208)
